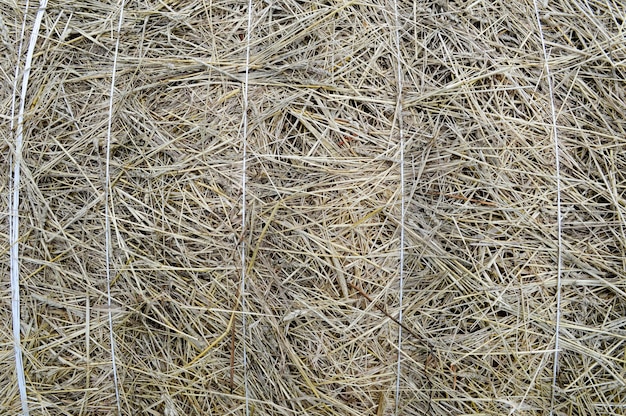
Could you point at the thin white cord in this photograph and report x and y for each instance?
(14, 234)
(15, 202)
(107, 215)
(13, 100)
(402, 200)
(244, 166)
(17, 66)
(557, 329)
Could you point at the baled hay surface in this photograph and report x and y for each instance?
(323, 208)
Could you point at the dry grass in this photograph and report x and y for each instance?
(323, 208)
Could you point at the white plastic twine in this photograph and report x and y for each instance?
(242, 288)
(402, 200)
(555, 136)
(107, 210)
(14, 224)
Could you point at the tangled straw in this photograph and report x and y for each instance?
(470, 246)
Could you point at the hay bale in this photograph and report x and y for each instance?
(487, 270)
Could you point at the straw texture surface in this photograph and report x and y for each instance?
(321, 235)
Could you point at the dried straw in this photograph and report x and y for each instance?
(264, 206)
